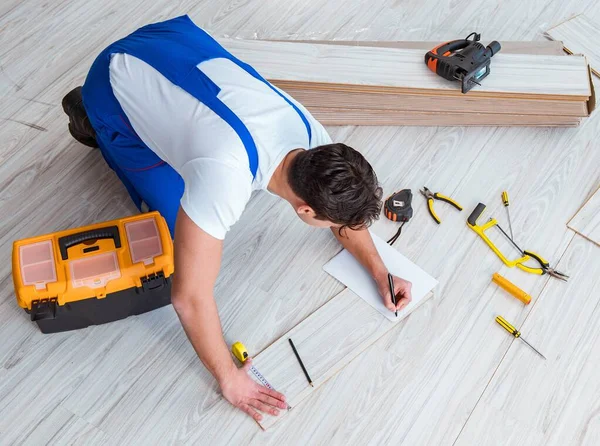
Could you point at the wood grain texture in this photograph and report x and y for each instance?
(553, 402)
(587, 220)
(350, 116)
(579, 35)
(403, 70)
(428, 103)
(509, 47)
(144, 382)
(61, 427)
(327, 341)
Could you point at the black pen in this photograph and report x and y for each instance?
(391, 280)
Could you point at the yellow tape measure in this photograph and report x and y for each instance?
(240, 351)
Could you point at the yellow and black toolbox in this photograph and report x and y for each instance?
(95, 274)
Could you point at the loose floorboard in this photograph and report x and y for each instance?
(326, 345)
(579, 36)
(138, 381)
(587, 220)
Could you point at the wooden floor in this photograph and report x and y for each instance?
(447, 375)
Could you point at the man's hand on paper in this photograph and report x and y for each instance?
(402, 289)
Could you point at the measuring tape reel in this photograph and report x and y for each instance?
(398, 207)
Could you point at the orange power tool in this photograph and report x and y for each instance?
(464, 60)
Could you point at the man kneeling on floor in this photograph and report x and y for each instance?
(192, 131)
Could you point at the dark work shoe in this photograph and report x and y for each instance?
(80, 127)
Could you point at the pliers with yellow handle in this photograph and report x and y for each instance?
(544, 266)
(436, 196)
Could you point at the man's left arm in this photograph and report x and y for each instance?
(360, 244)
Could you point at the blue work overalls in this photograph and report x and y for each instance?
(174, 48)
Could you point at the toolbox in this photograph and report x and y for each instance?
(95, 274)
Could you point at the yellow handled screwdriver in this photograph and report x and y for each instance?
(516, 333)
(506, 203)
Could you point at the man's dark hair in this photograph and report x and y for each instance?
(338, 183)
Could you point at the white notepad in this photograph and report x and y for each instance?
(345, 268)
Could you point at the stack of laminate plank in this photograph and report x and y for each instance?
(388, 83)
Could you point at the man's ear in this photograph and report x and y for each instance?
(305, 209)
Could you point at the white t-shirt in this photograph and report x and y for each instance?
(203, 148)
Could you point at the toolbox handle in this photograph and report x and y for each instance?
(68, 241)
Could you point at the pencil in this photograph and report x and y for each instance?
(301, 363)
(391, 280)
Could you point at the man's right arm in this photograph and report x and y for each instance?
(197, 263)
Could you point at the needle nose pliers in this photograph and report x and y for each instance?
(437, 196)
(544, 267)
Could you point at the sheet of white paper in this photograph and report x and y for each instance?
(345, 268)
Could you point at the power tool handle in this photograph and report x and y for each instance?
(445, 49)
(440, 54)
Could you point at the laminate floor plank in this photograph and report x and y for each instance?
(587, 220)
(61, 427)
(326, 344)
(46, 375)
(432, 104)
(579, 36)
(430, 370)
(403, 69)
(359, 116)
(509, 47)
(8, 5)
(106, 385)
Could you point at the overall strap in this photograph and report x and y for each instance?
(255, 74)
(200, 43)
(178, 46)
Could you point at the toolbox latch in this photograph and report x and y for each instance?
(43, 309)
(154, 282)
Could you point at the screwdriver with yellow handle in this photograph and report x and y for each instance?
(506, 203)
(516, 333)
